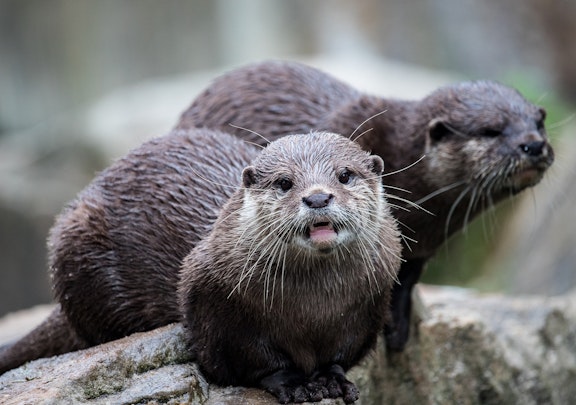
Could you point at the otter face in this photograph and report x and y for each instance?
(316, 199)
(489, 139)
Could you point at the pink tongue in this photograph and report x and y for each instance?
(322, 233)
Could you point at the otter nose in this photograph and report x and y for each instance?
(318, 200)
(533, 148)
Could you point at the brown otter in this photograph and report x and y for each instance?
(115, 251)
(482, 142)
(297, 271)
(288, 290)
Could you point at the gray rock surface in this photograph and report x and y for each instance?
(467, 348)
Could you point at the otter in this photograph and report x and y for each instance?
(285, 286)
(297, 271)
(114, 252)
(453, 154)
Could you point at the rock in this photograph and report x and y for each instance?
(466, 349)
(486, 349)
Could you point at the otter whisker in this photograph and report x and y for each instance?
(389, 187)
(404, 168)
(234, 187)
(410, 203)
(282, 275)
(440, 191)
(362, 134)
(404, 225)
(368, 266)
(399, 207)
(251, 131)
(263, 237)
(561, 123)
(380, 247)
(283, 231)
(377, 246)
(471, 203)
(254, 144)
(453, 209)
(364, 122)
(480, 183)
(275, 253)
(406, 240)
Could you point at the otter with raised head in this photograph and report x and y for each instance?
(297, 270)
(482, 142)
(287, 291)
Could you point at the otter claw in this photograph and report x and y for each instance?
(337, 385)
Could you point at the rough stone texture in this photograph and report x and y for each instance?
(473, 349)
(467, 349)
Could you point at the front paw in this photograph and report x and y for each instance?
(336, 383)
(293, 386)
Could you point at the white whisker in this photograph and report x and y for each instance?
(251, 131)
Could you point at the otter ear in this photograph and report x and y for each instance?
(542, 112)
(377, 165)
(437, 129)
(249, 176)
(540, 121)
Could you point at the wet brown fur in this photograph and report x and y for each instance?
(277, 308)
(478, 138)
(115, 250)
(260, 309)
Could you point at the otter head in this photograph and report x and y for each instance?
(314, 194)
(486, 137)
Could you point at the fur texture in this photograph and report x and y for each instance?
(481, 142)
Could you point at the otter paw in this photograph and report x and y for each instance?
(336, 384)
(293, 386)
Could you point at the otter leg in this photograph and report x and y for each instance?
(336, 383)
(398, 331)
(291, 385)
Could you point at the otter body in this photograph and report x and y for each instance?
(115, 251)
(288, 288)
(298, 271)
(481, 141)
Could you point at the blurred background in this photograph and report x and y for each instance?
(81, 82)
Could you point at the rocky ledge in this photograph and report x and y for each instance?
(466, 348)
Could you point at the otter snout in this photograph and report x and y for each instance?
(318, 200)
(535, 148)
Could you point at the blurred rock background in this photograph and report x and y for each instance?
(82, 81)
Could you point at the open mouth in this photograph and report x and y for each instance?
(321, 233)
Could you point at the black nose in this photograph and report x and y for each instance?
(318, 200)
(533, 148)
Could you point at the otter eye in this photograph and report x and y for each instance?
(490, 133)
(345, 177)
(284, 184)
